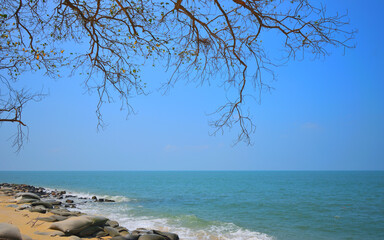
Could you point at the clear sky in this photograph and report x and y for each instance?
(323, 115)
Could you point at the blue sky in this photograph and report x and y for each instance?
(326, 114)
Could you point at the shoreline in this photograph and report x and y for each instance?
(45, 214)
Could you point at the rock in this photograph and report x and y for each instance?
(13, 205)
(9, 232)
(142, 231)
(28, 195)
(74, 238)
(53, 218)
(119, 238)
(22, 207)
(40, 203)
(91, 231)
(26, 200)
(101, 234)
(94, 198)
(131, 237)
(171, 236)
(120, 229)
(74, 225)
(25, 237)
(111, 231)
(51, 234)
(111, 223)
(39, 209)
(101, 200)
(124, 233)
(53, 202)
(69, 201)
(64, 212)
(109, 200)
(152, 237)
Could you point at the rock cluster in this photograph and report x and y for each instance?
(66, 222)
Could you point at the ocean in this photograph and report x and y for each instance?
(254, 205)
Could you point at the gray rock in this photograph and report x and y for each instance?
(25, 237)
(40, 203)
(171, 236)
(13, 205)
(141, 231)
(101, 234)
(111, 231)
(91, 231)
(65, 212)
(53, 218)
(26, 200)
(131, 237)
(9, 232)
(39, 209)
(120, 229)
(152, 237)
(28, 195)
(119, 238)
(111, 223)
(52, 234)
(74, 238)
(75, 225)
(53, 202)
(22, 207)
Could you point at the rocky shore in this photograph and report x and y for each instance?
(53, 209)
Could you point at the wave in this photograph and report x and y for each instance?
(188, 227)
(89, 195)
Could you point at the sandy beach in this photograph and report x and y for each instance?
(26, 220)
(28, 212)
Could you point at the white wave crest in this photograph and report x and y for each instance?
(90, 195)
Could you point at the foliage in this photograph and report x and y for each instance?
(196, 40)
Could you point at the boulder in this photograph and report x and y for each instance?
(22, 207)
(121, 229)
(9, 232)
(111, 223)
(13, 205)
(171, 236)
(39, 209)
(101, 234)
(131, 237)
(74, 238)
(119, 238)
(111, 231)
(53, 218)
(69, 201)
(152, 237)
(51, 234)
(74, 225)
(64, 212)
(40, 203)
(28, 195)
(53, 202)
(26, 200)
(91, 231)
(25, 237)
(141, 231)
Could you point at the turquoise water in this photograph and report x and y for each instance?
(231, 205)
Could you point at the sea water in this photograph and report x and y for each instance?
(281, 205)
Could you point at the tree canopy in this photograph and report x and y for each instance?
(197, 40)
